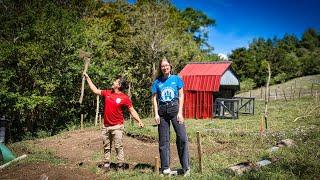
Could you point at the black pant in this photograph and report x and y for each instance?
(168, 112)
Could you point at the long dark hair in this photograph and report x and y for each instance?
(159, 72)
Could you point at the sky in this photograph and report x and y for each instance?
(239, 21)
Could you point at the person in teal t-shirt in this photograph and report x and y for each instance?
(167, 97)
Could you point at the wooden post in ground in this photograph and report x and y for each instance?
(100, 121)
(284, 94)
(300, 92)
(199, 152)
(81, 122)
(156, 165)
(267, 100)
(97, 112)
(292, 95)
(312, 89)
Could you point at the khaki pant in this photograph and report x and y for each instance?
(110, 135)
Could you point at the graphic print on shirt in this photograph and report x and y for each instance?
(118, 100)
(167, 94)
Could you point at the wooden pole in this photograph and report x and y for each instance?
(97, 112)
(156, 165)
(100, 121)
(199, 152)
(292, 96)
(284, 94)
(299, 92)
(312, 89)
(81, 122)
(14, 160)
(267, 100)
(86, 57)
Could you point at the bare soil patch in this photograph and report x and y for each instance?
(84, 149)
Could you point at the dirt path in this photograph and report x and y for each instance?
(84, 149)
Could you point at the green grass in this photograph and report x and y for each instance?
(36, 154)
(227, 142)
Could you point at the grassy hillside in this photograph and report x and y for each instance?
(295, 88)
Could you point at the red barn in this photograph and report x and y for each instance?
(203, 83)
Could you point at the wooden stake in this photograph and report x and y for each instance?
(156, 165)
(100, 121)
(81, 122)
(267, 100)
(261, 130)
(97, 112)
(284, 94)
(299, 92)
(199, 152)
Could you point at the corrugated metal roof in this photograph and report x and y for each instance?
(217, 68)
(203, 76)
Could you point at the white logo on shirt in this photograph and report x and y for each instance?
(118, 100)
(167, 94)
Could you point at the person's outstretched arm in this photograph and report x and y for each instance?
(93, 88)
(135, 116)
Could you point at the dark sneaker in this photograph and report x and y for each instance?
(120, 167)
(187, 173)
(184, 173)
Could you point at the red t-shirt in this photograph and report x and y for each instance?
(113, 104)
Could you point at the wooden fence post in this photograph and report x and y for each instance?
(300, 92)
(284, 94)
(100, 121)
(156, 165)
(292, 95)
(199, 152)
(81, 122)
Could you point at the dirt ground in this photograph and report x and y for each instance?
(82, 150)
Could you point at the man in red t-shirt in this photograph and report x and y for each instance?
(114, 101)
